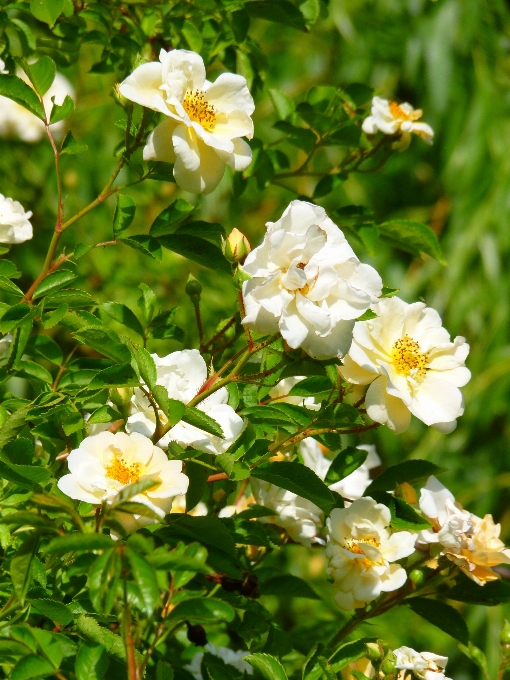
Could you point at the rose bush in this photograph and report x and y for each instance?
(190, 487)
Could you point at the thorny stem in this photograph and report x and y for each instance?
(128, 639)
(160, 429)
(311, 432)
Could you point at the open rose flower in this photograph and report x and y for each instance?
(16, 121)
(410, 364)
(423, 665)
(204, 124)
(15, 226)
(361, 551)
(105, 463)
(471, 542)
(183, 374)
(307, 283)
(392, 119)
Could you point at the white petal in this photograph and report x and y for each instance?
(230, 93)
(159, 145)
(143, 84)
(186, 147)
(190, 63)
(386, 409)
(207, 176)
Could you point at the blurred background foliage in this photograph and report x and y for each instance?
(452, 59)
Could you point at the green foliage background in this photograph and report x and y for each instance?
(452, 59)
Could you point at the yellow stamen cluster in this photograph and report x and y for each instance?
(398, 113)
(356, 547)
(408, 359)
(199, 110)
(123, 473)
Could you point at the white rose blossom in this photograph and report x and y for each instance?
(470, 542)
(105, 463)
(204, 124)
(302, 519)
(361, 551)
(392, 118)
(183, 374)
(410, 364)
(179, 506)
(229, 656)
(17, 121)
(281, 390)
(15, 226)
(424, 665)
(307, 283)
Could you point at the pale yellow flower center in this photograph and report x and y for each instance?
(398, 113)
(122, 472)
(408, 359)
(199, 110)
(356, 547)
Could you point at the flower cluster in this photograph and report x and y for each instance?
(204, 122)
(424, 665)
(470, 542)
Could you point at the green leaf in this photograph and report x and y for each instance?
(29, 369)
(413, 237)
(197, 249)
(311, 387)
(22, 565)
(344, 464)
(359, 93)
(9, 270)
(201, 610)
(145, 578)
(45, 347)
(209, 531)
(10, 287)
(477, 657)
(12, 425)
(91, 661)
(197, 475)
(169, 219)
(146, 365)
(466, 590)
(56, 611)
(328, 184)
(71, 147)
(104, 577)
(145, 244)
(32, 666)
(441, 615)
(124, 214)
(283, 105)
(122, 314)
(288, 586)
(171, 561)
(61, 111)
(164, 172)
(105, 342)
(163, 671)
(268, 666)
(299, 479)
(114, 644)
(41, 74)
(409, 471)
(278, 11)
(303, 138)
(77, 542)
(47, 11)
(14, 88)
(404, 516)
(53, 282)
(123, 375)
(367, 316)
(73, 423)
(348, 652)
(134, 489)
(193, 416)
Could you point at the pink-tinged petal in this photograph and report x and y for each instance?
(386, 409)
(159, 145)
(143, 84)
(190, 63)
(230, 93)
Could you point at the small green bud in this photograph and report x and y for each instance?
(236, 247)
(504, 637)
(121, 395)
(193, 289)
(417, 577)
(374, 652)
(388, 664)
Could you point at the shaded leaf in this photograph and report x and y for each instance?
(442, 615)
